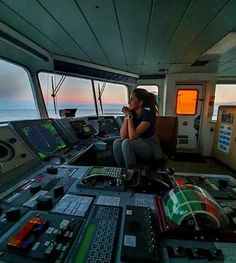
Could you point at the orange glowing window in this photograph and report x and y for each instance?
(186, 101)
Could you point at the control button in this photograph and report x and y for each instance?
(35, 187)
(201, 179)
(95, 246)
(52, 170)
(40, 228)
(13, 214)
(97, 239)
(180, 250)
(100, 254)
(189, 253)
(208, 255)
(44, 202)
(59, 236)
(151, 249)
(222, 183)
(64, 225)
(58, 190)
(218, 253)
(102, 247)
(93, 253)
(170, 251)
(12, 140)
(49, 251)
(199, 252)
(23, 155)
(107, 255)
(109, 247)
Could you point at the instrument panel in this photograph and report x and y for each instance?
(41, 136)
(69, 213)
(57, 215)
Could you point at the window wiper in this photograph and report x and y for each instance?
(100, 92)
(55, 90)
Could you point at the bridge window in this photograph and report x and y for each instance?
(186, 103)
(111, 97)
(225, 94)
(150, 88)
(16, 97)
(66, 92)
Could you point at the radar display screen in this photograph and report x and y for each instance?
(42, 137)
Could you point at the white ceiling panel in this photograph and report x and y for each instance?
(196, 19)
(223, 23)
(133, 20)
(33, 12)
(137, 36)
(9, 17)
(102, 18)
(165, 18)
(77, 27)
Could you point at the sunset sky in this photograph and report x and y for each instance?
(78, 90)
(16, 91)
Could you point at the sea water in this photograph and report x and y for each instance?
(28, 114)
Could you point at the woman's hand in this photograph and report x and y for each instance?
(126, 110)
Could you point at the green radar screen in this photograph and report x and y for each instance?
(44, 139)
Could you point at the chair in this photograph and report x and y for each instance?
(167, 131)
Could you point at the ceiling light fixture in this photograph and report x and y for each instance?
(224, 45)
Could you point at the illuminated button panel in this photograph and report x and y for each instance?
(41, 237)
(99, 238)
(26, 236)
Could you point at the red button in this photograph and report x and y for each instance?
(180, 182)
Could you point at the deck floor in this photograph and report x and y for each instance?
(210, 166)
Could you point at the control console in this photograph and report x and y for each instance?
(108, 178)
(106, 127)
(66, 213)
(40, 237)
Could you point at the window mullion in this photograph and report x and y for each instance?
(94, 97)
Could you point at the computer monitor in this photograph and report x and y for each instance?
(41, 136)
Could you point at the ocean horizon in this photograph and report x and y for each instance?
(85, 110)
(29, 114)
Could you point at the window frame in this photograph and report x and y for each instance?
(95, 99)
(31, 85)
(67, 75)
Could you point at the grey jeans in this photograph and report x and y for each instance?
(127, 151)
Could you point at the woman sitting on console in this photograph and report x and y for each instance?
(138, 140)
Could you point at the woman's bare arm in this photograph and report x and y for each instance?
(124, 130)
(133, 132)
(124, 127)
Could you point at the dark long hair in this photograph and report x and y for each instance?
(149, 100)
